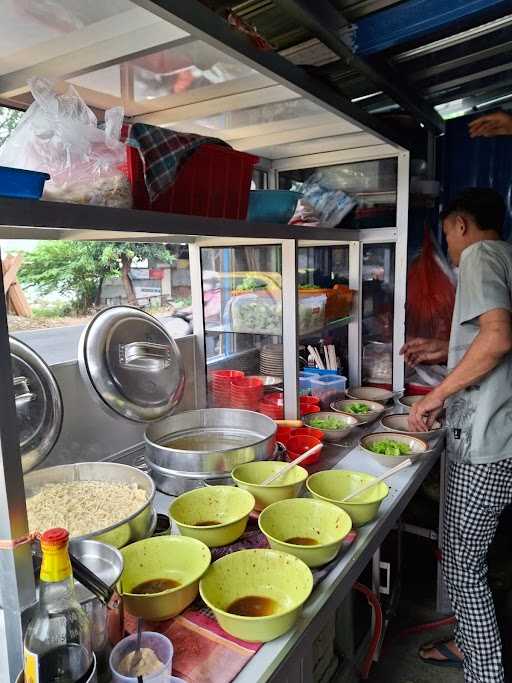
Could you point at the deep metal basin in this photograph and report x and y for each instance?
(201, 443)
(134, 527)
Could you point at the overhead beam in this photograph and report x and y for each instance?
(219, 105)
(197, 19)
(294, 135)
(323, 21)
(327, 144)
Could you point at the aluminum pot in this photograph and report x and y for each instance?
(135, 527)
(187, 450)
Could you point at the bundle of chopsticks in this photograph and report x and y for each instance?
(329, 354)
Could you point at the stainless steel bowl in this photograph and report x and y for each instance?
(133, 528)
(209, 441)
(335, 435)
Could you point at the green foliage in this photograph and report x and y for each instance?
(9, 119)
(79, 268)
(53, 310)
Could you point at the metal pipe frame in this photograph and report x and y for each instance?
(17, 588)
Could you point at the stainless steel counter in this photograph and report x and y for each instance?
(289, 658)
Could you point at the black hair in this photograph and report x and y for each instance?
(485, 206)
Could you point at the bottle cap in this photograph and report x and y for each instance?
(54, 538)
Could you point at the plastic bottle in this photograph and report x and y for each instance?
(58, 639)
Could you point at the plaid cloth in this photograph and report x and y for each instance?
(163, 152)
(476, 496)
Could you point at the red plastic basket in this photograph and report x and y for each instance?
(215, 181)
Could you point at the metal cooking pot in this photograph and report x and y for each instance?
(91, 678)
(187, 450)
(133, 528)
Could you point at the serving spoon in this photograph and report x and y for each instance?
(386, 475)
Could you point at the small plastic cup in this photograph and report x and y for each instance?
(298, 445)
(161, 646)
(308, 431)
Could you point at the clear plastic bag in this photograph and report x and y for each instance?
(59, 134)
(331, 205)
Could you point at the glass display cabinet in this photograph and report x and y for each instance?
(262, 305)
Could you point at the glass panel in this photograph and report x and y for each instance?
(29, 23)
(378, 289)
(106, 80)
(325, 304)
(243, 321)
(266, 113)
(373, 183)
(179, 69)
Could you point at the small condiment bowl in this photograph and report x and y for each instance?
(250, 475)
(417, 447)
(375, 409)
(178, 558)
(227, 508)
(335, 435)
(400, 423)
(376, 394)
(334, 485)
(320, 525)
(278, 577)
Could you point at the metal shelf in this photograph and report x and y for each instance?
(32, 219)
(224, 329)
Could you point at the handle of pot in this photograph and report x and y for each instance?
(23, 395)
(144, 356)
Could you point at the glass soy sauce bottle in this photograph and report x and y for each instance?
(58, 639)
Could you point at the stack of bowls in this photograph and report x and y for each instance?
(272, 405)
(309, 404)
(221, 386)
(246, 393)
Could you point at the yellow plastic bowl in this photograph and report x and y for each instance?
(262, 573)
(227, 507)
(334, 485)
(304, 518)
(250, 475)
(172, 557)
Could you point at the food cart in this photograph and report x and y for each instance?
(265, 106)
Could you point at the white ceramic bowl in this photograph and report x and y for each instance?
(376, 409)
(375, 394)
(399, 423)
(335, 435)
(418, 447)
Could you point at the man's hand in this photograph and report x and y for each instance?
(499, 123)
(429, 351)
(423, 414)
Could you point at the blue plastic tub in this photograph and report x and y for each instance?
(317, 371)
(272, 206)
(17, 182)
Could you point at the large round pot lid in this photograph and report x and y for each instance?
(38, 404)
(131, 364)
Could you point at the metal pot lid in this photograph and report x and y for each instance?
(38, 404)
(131, 364)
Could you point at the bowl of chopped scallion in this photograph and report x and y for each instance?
(391, 448)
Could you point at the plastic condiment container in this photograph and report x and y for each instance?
(329, 388)
(161, 646)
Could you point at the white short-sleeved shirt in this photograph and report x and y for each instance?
(479, 419)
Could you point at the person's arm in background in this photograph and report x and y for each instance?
(493, 342)
(489, 125)
(420, 350)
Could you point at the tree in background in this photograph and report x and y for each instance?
(9, 119)
(80, 268)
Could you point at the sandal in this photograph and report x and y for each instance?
(451, 661)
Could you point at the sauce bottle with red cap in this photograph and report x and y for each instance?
(58, 639)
